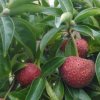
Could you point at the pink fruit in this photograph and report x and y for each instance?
(62, 48)
(29, 73)
(82, 47)
(77, 72)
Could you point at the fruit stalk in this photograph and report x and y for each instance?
(74, 42)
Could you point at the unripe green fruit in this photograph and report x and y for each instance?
(72, 22)
(6, 11)
(67, 16)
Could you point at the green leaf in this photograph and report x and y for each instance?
(3, 3)
(4, 84)
(5, 67)
(25, 35)
(59, 90)
(85, 30)
(17, 3)
(51, 92)
(36, 89)
(44, 3)
(66, 5)
(68, 94)
(97, 68)
(77, 94)
(97, 3)
(83, 95)
(51, 65)
(89, 2)
(94, 45)
(7, 31)
(18, 94)
(48, 36)
(32, 8)
(69, 50)
(86, 13)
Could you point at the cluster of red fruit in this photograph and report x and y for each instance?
(76, 71)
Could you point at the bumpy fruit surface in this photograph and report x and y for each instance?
(77, 72)
(29, 73)
(82, 47)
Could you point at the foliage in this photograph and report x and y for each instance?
(33, 31)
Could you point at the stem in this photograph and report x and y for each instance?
(9, 89)
(74, 42)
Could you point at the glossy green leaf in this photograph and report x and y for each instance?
(51, 92)
(5, 67)
(44, 3)
(59, 90)
(36, 89)
(85, 30)
(3, 3)
(97, 68)
(48, 36)
(18, 94)
(69, 49)
(25, 35)
(66, 5)
(94, 45)
(79, 94)
(94, 21)
(68, 94)
(89, 2)
(86, 13)
(83, 95)
(51, 65)
(32, 8)
(97, 3)
(4, 84)
(7, 32)
(17, 3)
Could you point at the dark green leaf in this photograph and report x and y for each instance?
(51, 65)
(51, 92)
(59, 90)
(25, 35)
(35, 9)
(5, 67)
(85, 30)
(97, 3)
(7, 31)
(66, 5)
(68, 94)
(17, 3)
(36, 89)
(69, 50)
(48, 36)
(97, 68)
(3, 3)
(86, 13)
(18, 94)
(83, 95)
(44, 3)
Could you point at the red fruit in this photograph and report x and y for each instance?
(82, 47)
(29, 73)
(77, 72)
(62, 48)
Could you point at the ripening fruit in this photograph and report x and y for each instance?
(29, 73)
(82, 47)
(77, 72)
(62, 48)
